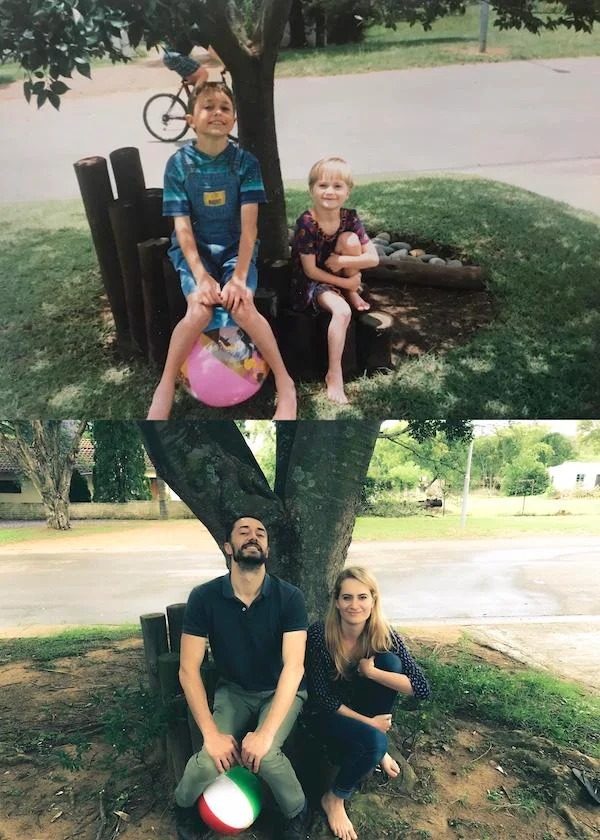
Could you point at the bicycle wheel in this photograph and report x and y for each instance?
(164, 117)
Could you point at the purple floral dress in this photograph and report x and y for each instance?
(310, 239)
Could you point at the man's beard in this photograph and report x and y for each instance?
(249, 562)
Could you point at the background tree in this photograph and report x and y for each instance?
(45, 451)
(588, 439)
(53, 38)
(526, 475)
(119, 473)
(309, 510)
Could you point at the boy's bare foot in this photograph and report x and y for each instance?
(286, 401)
(335, 389)
(337, 817)
(390, 766)
(160, 407)
(356, 302)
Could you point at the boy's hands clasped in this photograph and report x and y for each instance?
(234, 293)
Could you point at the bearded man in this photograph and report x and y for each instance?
(256, 626)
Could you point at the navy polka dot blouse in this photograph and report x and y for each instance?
(327, 694)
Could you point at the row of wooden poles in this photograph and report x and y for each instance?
(131, 240)
(162, 643)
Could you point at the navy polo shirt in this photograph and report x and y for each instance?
(246, 641)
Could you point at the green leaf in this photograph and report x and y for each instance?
(37, 87)
(41, 97)
(54, 99)
(84, 68)
(39, 74)
(27, 90)
(59, 87)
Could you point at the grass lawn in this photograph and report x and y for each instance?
(539, 358)
(438, 527)
(452, 40)
(39, 530)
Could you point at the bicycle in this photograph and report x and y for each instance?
(164, 114)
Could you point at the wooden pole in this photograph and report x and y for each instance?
(419, 273)
(156, 306)
(374, 341)
(175, 297)
(128, 230)
(128, 174)
(154, 633)
(179, 743)
(97, 195)
(155, 224)
(175, 614)
(297, 339)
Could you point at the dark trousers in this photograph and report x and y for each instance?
(358, 746)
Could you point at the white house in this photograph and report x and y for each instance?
(576, 475)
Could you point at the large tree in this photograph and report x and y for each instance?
(53, 38)
(310, 509)
(119, 469)
(45, 451)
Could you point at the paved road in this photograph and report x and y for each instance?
(538, 599)
(534, 124)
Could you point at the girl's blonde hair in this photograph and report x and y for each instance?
(335, 166)
(376, 635)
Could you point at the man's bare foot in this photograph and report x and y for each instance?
(356, 302)
(160, 407)
(286, 401)
(335, 389)
(337, 817)
(390, 766)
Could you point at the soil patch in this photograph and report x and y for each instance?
(429, 319)
(472, 781)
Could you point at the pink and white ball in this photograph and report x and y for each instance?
(232, 802)
(224, 368)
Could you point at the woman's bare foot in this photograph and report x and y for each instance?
(337, 817)
(335, 389)
(160, 407)
(356, 302)
(286, 401)
(390, 766)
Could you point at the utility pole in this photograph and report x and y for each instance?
(484, 14)
(467, 482)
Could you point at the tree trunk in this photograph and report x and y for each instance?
(252, 68)
(57, 511)
(254, 91)
(297, 28)
(309, 516)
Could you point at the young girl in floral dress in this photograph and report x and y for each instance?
(329, 250)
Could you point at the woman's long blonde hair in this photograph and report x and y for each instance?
(376, 635)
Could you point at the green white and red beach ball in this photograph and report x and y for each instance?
(232, 802)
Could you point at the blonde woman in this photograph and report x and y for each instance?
(356, 665)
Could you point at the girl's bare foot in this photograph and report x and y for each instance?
(335, 389)
(390, 766)
(356, 302)
(286, 401)
(160, 407)
(337, 817)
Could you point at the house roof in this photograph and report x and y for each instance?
(84, 460)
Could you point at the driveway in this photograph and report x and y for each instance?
(534, 124)
(537, 599)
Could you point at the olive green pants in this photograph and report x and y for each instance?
(236, 712)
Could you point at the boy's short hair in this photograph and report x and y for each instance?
(210, 87)
(334, 165)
